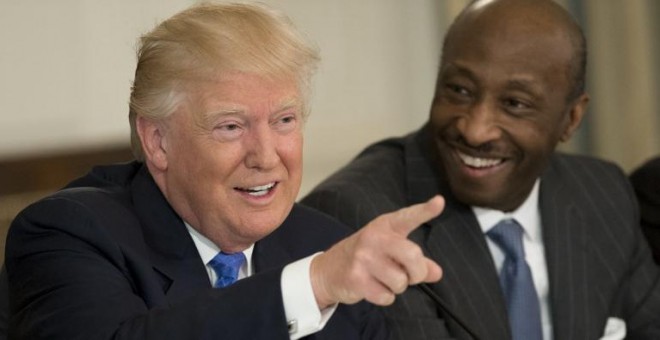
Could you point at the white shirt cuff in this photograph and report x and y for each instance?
(302, 313)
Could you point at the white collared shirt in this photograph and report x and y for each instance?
(528, 216)
(297, 293)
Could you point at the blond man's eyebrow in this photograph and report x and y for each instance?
(228, 109)
(289, 104)
(208, 117)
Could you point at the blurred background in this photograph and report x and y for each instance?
(66, 67)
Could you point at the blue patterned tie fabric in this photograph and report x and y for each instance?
(517, 283)
(227, 267)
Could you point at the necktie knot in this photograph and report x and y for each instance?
(226, 266)
(508, 234)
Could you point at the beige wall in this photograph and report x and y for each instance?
(66, 67)
(624, 75)
(376, 77)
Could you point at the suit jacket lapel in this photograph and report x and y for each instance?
(171, 249)
(565, 240)
(270, 253)
(470, 284)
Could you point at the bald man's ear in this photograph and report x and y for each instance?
(577, 111)
(154, 142)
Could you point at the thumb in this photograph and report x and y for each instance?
(433, 270)
(405, 220)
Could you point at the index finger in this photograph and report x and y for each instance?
(405, 220)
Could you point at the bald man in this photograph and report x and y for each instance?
(534, 244)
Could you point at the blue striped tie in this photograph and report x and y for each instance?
(517, 282)
(227, 267)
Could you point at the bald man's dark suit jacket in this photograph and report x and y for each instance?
(597, 261)
(111, 259)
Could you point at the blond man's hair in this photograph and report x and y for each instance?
(209, 40)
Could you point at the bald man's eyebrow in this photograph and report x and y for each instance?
(526, 85)
(453, 69)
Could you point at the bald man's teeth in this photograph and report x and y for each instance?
(476, 162)
(258, 190)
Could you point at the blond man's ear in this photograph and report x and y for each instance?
(154, 142)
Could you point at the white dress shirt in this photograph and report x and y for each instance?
(528, 216)
(302, 312)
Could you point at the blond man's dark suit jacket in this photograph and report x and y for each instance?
(109, 258)
(598, 263)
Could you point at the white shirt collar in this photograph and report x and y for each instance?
(527, 215)
(208, 250)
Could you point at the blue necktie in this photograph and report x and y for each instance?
(227, 267)
(517, 283)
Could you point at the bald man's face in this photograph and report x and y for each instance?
(500, 107)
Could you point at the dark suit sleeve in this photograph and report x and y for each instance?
(368, 187)
(348, 206)
(641, 296)
(4, 303)
(69, 280)
(646, 182)
(641, 287)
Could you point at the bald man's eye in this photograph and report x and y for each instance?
(459, 90)
(456, 93)
(514, 103)
(517, 107)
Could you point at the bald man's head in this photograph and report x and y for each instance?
(509, 90)
(531, 20)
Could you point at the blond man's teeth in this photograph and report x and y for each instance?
(257, 193)
(477, 162)
(262, 187)
(260, 190)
